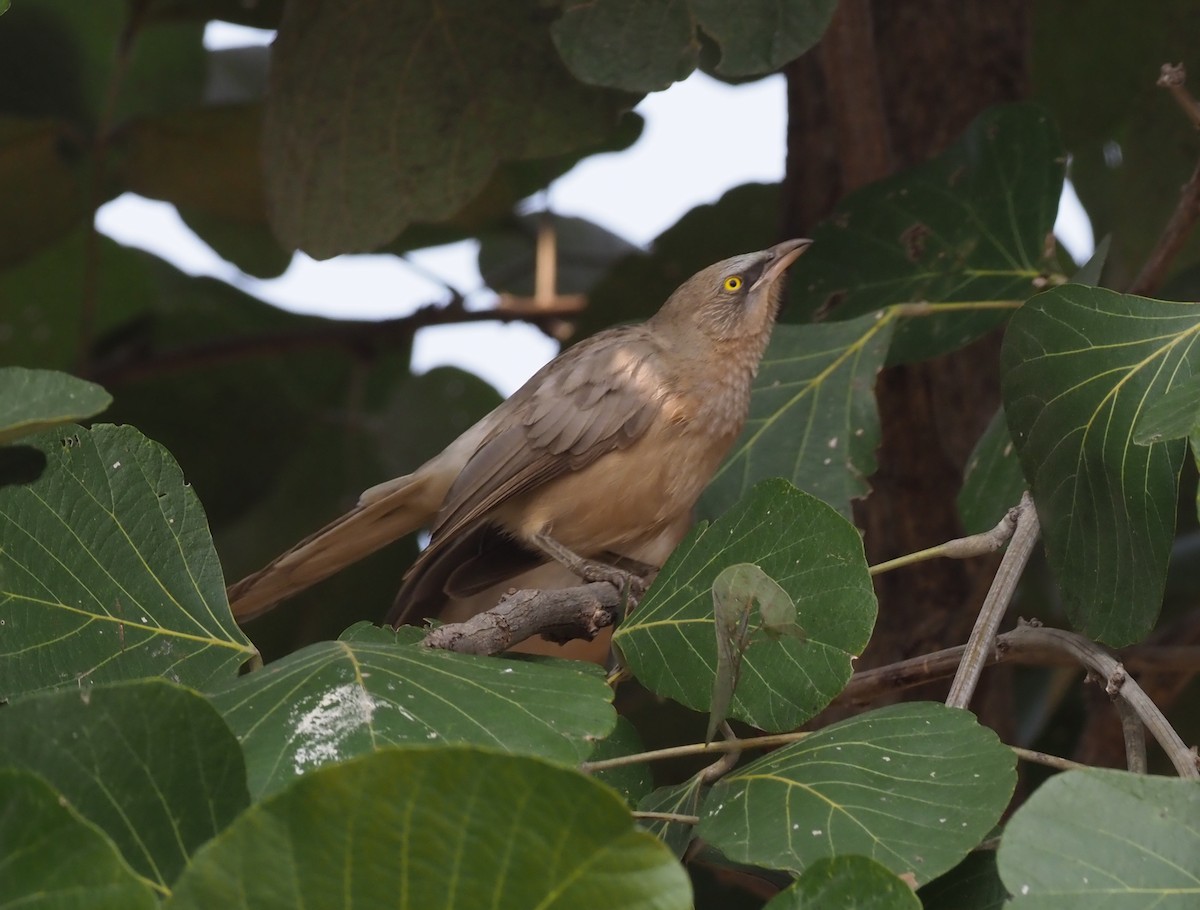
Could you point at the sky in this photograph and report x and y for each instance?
(636, 194)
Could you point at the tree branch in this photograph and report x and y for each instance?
(995, 605)
(1187, 210)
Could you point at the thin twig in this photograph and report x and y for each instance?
(725, 763)
(352, 336)
(1135, 736)
(724, 745)
(1118, 684)
(1187, 210)
(995, 605)
(1045, 758)
(959, 548)
(667, 817)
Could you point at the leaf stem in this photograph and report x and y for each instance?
(959, 548)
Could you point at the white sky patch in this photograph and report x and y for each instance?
(319, 732)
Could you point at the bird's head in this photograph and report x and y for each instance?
(736, 298)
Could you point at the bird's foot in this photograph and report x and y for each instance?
(631, 585)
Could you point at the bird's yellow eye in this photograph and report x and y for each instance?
(733, 283)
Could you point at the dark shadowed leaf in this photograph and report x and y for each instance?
(43, 184)
(56, 859)
(107, 570)
(967, 230)
(369, 129)
(1101, 838)
(1080, 366)
(812, 416)
(33, 400)
(150, 763)
(452, 828)
(992, 482)
(256, 14)
(632, 781)
(334, 700)
(644, 47)
(914, 786)
(974, 884)
(814, 554)
(854, 882)
(683, 799)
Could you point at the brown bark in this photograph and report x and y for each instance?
(930, 68)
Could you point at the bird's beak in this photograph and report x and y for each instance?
(782, 257)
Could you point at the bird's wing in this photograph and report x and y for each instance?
(599, 396)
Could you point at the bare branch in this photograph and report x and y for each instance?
(995, 605)
(1187, 210)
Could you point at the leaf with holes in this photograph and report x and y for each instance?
(812, 418)
(58, 859)
(1101, 838)
(428, 827)
(644, 47)
(814, 554)
(150, 763)
(1080, 367)
(107, 571)
(375, 120)
(334, 700)
(33, 400)
(965, 232)
(914, 786)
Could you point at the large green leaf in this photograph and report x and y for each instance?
(447, 828)
(1105, 840)
(33, 400)
(812, 414)
(334, 700)
(644, 47)
(964, 232)
(56, 860)
(1080, 365)
(814, 554)
(846, 881)
(1175, 414)
(150, 763)
(107, 570)
(914, 786)
(381, 113)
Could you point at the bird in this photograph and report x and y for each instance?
(595, 462)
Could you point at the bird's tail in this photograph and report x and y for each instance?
(383, 514)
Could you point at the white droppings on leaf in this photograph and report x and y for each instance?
(833, 443)
(817, 832)
(116, 464)
(507, 670)
(320, 731)
(887, 758)
(1024, 889)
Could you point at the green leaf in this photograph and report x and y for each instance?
(914, 786)
(406, 137)
(812, 417)
(1080, 365)
(1175, 415)
(964, 232)
(992, 482)
(682, 799)
(34, 400)
(846, 881)
(974, 884)
(107, 570)
(632, 781)
(1104, 839)
(736, 590)
(449, 828)
(334, 700)
(644, 47)
(72, 60)
(56, 860)
(150, 763)
(814, 554)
